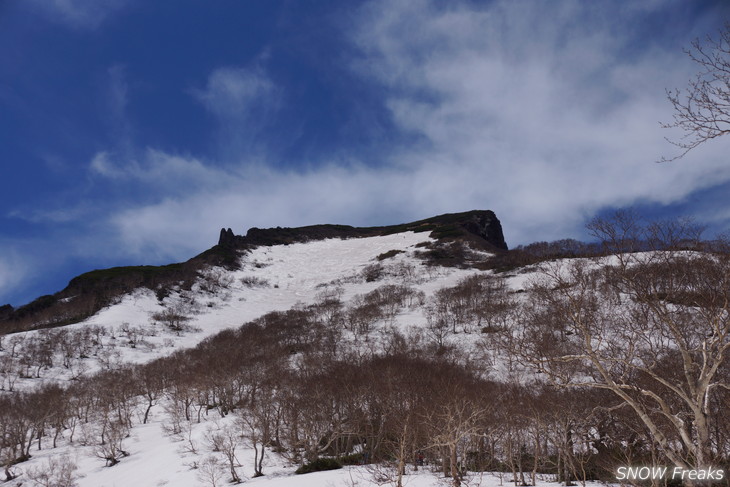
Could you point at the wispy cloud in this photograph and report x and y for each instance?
(547, 121)
(13, 269)
(116, 97)
(58, 215)
(238, 92)
(257, 197)
(244, 102)
(85, 14)
(544, 122)
(165, 173)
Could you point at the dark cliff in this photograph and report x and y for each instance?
(477, 225)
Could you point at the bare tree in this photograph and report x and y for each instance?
(438, 324)
(54, 472)
(398, 400)
(151, 382)
(256, 423)
(651, 327)
(111, 434)
(211, 471)
(9, 373)
(455, 422)
(225, 440)
(174, 318)
(702, 110)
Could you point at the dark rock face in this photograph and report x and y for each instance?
(282, 236)
(480, 226)
(5, 311)
(227, 238)
(485, 224)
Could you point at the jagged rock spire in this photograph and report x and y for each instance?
(227, 239)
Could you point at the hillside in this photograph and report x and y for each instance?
(373, 354)
(279, 277)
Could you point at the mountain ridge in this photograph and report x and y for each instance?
(89, 292)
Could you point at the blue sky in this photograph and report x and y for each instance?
(132, 131)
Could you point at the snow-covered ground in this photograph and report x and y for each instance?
(157, 459)
(271, 278)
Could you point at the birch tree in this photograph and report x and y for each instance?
(702, 110)
(653, 327)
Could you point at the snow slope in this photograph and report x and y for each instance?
(271, 278)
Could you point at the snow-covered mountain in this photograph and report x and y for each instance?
(138, 326)
(407, 354)
(88, 293)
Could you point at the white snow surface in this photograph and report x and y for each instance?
(283, 276)
(157, 459)
(271, 278)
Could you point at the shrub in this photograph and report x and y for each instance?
(492, 329)
(372, 272)
(56, 472)
(253, 281)
(389, 254)
(353, 459)
(173, 317)
(319, 465)
(161, 293)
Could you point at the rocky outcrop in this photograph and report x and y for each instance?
(6, 311)
(482, 224)
(486, 225)
(227, 238)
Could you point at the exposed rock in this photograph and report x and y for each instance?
(5, 311)
(486, 225)
(483, 224)
(227, 238)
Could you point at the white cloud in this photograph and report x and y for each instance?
(552, 120)
(118, 89)
(86, 14)
(57, 215)
(544, 122)
(100, 164)
(244, 102)
(13, 270)
(238, 92)
(166, 173)
(117, 100)
(257, 197)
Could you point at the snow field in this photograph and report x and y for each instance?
(271, 279)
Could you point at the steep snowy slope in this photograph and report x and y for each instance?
(132, 331)
(270, 278)
(87, 293)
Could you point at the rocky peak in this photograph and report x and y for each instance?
(227, 238)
